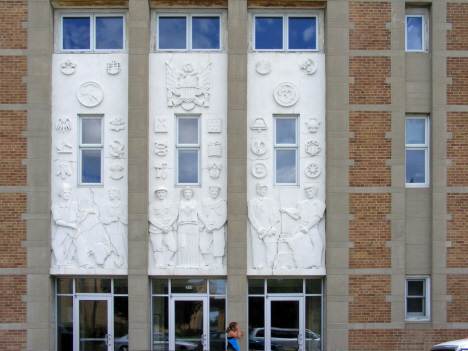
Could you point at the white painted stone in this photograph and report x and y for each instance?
(68, 67)
(90, 94)
(113, 67)
(286, 94)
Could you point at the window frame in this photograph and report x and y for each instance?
(82, 147)
(285, 17)
(295, 147)
(196, 147)
(424, 147)
(426, 315)
(92, 31)
(188, 35)
(423, 31)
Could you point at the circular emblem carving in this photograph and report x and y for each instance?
(259, 170)
(312, 170)
(263, 67)
(259, 147)
(68, 67)
(286, 94)
(313, 147)
(309, 67)
(90, 94)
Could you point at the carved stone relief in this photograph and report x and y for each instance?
(214, 125)
(313, 147)
(63, 147)
(160, 148)
(214, 149)
(259, 124)
(214, 169)
(90, 94)
(63, 125)
(312, 170)
(259, 169)
(113, 67)
(188, 88)
(116, 172)
(263, 67)
(117, 124)
(312, 125)
(286, 94)
(64, 170)
(259, 147)
(309, 67)
(68, 67)
(160, 125)
(161, 170)
(117, 149)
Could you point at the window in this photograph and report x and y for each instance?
(417, 29)
(188, 32)
(417, 151)
(285, 32)
(188, 150)
(286, 146)
(91, 148)
(92, 32)
(417, 298)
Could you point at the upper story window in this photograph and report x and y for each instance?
(417, 151)
(417, 29)
(90, 150)
(285, 32)
(286, 145)
(188, 149)
(92, 32)
(417, 298)
(183, 32)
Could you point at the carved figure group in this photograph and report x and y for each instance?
(305, 242)
(189, 235)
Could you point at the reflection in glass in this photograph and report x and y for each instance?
(91, 285)
(256, 286)
(76, 33)
(93, 325)
(91, 166)
(313, 322)
(415, 131)
(415, 166)
(268, 33)
(187, 166)
(120, 316)
(415, 305)
(286, 131)
(205, 33)
(285, 324)
(302, 33)
(172, 33)
(217, 324)
(65, 323)
(285, 164)
(160, 286)
(188, 131)
(217, 286)
(160, 323)
(284, 286)
(414, 34)
(188, 320)
(313, 286)
(256, 323)
(64, 286)
(415, 287)
(91, 131)
(120, 286)
(188, 286)
(109, 33)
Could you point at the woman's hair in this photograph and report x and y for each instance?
(232, 325)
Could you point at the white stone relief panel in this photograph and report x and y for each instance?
(63, 147)
(214, 169)
(117, 149)
(259, 124)
(263, 67)
(68, 67)
(214, 125)
(113, 67)
(117, 124)
(308, 67)
(160, 125)
(312, 147)
(160, 148)
(63, 125)
(312, 125)
(214, 149)
(90, 94)
(259, 169)
(64, 170)
(161, 170)
(116, 172)
(312, 170)
(259, 147)
(286, 94)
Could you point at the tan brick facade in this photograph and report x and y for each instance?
(369, 304)
(457, 307)
(457, 37)
(457, 230)
(12, 230)
(370, 25)
(12, 148)
(12, 308)
(12, 16)
(457, 92)
(12, 70)
(457, 148)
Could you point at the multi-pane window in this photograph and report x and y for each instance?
(188, 32)
(286, 146)
(417, 298)
(90, 150)
(188, 149)
(415, 32)
(417, 151)
(285, 32)
(92, 32)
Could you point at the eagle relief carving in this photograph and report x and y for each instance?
(188, 87)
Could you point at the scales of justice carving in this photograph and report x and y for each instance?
(188, 234)
(188, 88)
(83, 230)
(302, 248)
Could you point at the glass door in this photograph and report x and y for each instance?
(94, 320)
(189, 323)
(285, 323)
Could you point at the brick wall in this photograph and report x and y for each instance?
(369, 87)
(457, 69)
(12, 16)
(370, 231)
(12, 308)
(457, 148)
(457, 37)
(370, 21)
(457, 308)
(12, 71)
(457, 230)
(12, 230)
(370, 148)
(12, 148)
(370, 305)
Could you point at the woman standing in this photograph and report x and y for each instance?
(234, 333)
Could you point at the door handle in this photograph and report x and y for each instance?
(107, 339)
(204, 339)
(299, 340)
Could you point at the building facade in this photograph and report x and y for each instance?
(168, 167)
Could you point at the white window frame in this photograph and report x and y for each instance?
(426, 296)
(82, 147)
(295, 147)
(424, 147)
(285, 17)
(196, 147)
(188, 34)
(92, 37)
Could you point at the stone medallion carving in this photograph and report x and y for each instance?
(188, 88)
(286, 94)
(214, 169)
(117, 149)
(64, 170)
(63, 125)
(117, 124)
(68, 67)
(312, 147)
(259, 147)
(214, 125)
(64, 148)
(263, 67)
(259, 124)
(113, 67)
(90, 94)
(160, 125)
(312, 170)
(160, 148)
(161, 170)
(214, 149)
(116, 172)
(259, 170)
(312, 125)
(309, 66)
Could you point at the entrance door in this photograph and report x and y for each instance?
(285, 323)
(94, 320)
(189, 323)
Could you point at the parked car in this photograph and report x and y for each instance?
(455, 345)
(287, 337)
(121, 344)
(161, 343)
(218, 343)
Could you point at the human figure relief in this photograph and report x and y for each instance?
(115, 219)
(309, 213)
(162, 216)
(264, 234)
(69, 240)
(212, 240)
